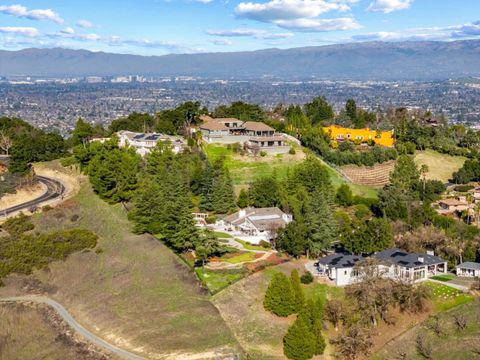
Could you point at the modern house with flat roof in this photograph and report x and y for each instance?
(468, 269)
(272, 144)
(145, 142)
(394, 263)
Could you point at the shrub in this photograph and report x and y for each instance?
(292, 151)
(265, 244)
(306, 278)
(211, 220)
(463, 188)
(18, 225)
(74, 217)
(279, 298)
(263, 153)
(47, 208)
(68, 161)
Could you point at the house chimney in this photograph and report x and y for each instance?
(421, 259)
(430, 252)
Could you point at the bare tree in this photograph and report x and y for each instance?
(357, 340)
(424, 347)
(5, 142)
(460, 321)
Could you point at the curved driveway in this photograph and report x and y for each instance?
(55, 189)
(79, 329)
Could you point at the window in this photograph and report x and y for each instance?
(345, 272)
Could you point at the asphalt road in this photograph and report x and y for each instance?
(55, 189)
(79, 329)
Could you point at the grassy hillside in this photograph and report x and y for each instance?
(451, 343)
(440, 166)
(134, 292)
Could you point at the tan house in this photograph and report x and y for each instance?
(276, 144)
(253, 128)
(452, 205)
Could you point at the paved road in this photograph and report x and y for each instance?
(55, 189)
(79, 329)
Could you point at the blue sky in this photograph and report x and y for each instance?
(156, 27)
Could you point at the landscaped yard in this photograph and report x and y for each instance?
(237, 258)
(222, 235)
(217, 280)
(445, 277)
(445, 297)
(440, 166)
(250, 246)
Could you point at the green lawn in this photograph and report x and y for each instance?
(446, 297)
(440, 166)
(222, 235)
(246, 256)
(445, 277)
(217, 280)
(244, 171)
(249, 246)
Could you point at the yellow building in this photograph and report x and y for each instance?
(383, 138)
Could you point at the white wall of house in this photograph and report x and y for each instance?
(467, 272)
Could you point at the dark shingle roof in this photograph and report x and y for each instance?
(340, 260)
(469, 265)
(403, 258)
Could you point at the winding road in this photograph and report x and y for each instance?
(79, 329)
(55, 189)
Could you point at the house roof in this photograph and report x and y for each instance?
(469, 265)
(261, 218)
(213, 125)
(340, 260)
(225, 120)
(257, 126)
(405, 259)
(452, 202)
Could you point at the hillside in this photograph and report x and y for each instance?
(369, 60)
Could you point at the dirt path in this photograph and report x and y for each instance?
(79, 329)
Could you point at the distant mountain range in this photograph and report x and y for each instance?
(357, 61)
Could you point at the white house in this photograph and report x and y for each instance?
(394, 263)
(145, 142)
(256, 222)
(468, 269)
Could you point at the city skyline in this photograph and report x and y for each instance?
(149, 27)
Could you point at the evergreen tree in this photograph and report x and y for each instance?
(405, 176)
(351, 111)
(378, 235)
(344, 195)
(223, 196)
(319, 110)
(279, 298)
(206, 188)
(243, 200)
(265, 192)
(299, 342)
(299, 297)
(293, 238)
(148, 212)
(312, 315)
(321, 223)
(82, 133)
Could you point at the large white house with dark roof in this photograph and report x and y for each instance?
(394, 263)
(145, 142)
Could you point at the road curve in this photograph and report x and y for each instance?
(79, 329)
(55, 189)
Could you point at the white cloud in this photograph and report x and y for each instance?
(36, 14)
(85, 24)
(67, 30)
(245, 32)
(22, 31)
(319, 25)
(388, 6)
(221, 42)
(299, 15)
(204, 1)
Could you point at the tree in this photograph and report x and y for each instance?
(299, 342)
(319, 110)
(293, 238)
(355, 341)
(377, 236)
(321, 223)
(344, 195)
(405, 176)
(82, 133)
(5, 142)
(223, 196)
(299, 297)
(279, 298)
(351, 110)
(265, 192)
(243, 200)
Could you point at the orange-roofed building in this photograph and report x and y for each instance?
(338, 133)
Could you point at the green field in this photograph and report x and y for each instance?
(217, 280)
(440, 166)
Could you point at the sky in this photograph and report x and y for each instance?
(157, 27)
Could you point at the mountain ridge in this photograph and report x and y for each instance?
(426, 60)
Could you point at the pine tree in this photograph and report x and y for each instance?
(321, 222)
(312, 314)
(206, 188)
(299, 342)
(243, 200)
(299, 297)
(223, 197)
(279, 298)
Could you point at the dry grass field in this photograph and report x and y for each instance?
(132, 291)
(28, 333)
(440, 166)
(374, 176)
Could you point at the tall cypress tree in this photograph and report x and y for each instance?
(279, 298)
(206, 188)
(299, 297)
(299, 342)
(321, 222)
(223, 196)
